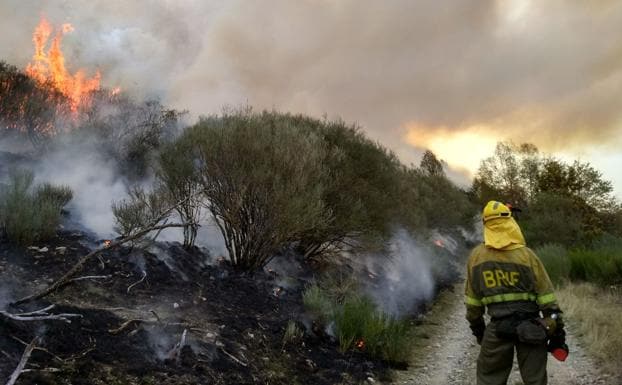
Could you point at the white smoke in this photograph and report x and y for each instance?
(93, 179)
(405, 278)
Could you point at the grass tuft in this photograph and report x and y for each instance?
(26, 215)
(597, 326)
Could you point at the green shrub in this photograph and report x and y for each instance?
(26, 215)
(262, 182)
(598, 265)
(293, 333)
(555, 259)
(56, 195)
(360, 324)
(317, 302)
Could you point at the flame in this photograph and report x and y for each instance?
(107, 242)
(50, 67)
(439, 243)
(360, 344)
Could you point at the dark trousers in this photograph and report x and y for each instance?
(496, 357)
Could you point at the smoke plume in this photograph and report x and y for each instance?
(522, 69)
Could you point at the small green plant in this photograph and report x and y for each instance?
(293, 333)
(26, 215)
(338, 286)
(317, 302)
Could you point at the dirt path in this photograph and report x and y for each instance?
(446, 352)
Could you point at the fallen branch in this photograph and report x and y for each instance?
(68, 276)
(40, 315)
(233, 357)
(136, 283)
(23, 361)
(91, 277)
(127, 323)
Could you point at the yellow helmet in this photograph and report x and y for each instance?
(496, 209)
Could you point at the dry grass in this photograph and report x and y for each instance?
(596, 315)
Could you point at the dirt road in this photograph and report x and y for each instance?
(446, 352)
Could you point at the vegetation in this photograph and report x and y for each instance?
(273, 182)
(596, 313)
(360, 325)
(600, 263)
(293, 333)
(27, 213)
(578, 202)
(179, 179)
(29, 107)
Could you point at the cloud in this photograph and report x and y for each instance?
(545, 72)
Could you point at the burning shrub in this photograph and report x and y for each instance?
(28, 106)
(26, 215)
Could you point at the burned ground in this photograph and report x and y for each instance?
(234, 322)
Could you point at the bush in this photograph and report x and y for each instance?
(27, 216)
(359, 324)
(262, 182)
(178, 177)
(599, 265)
(555, 259)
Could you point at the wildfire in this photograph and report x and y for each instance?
(360, 344)
(107, 243)
(50, 66)
(439, 243)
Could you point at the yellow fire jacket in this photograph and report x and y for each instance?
(507, 281)
(507, 278)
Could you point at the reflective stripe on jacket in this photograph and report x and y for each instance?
(506, 281)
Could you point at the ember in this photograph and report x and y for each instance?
(49, 67)
(360, 344)
(277, 291)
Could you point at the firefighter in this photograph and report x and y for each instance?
(507, 278)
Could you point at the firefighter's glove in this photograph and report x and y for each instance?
(478, 327)
(552, 323)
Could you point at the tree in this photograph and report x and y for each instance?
(431, 165)
(508, 172)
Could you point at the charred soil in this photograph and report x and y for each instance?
(166, 316)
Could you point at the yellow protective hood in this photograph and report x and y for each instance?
(503, 234)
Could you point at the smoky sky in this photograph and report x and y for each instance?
(548, 72)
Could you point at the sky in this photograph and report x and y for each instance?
(455, 77)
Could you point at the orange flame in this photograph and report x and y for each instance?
(50, 67)
(107, 242)
(439, 243)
